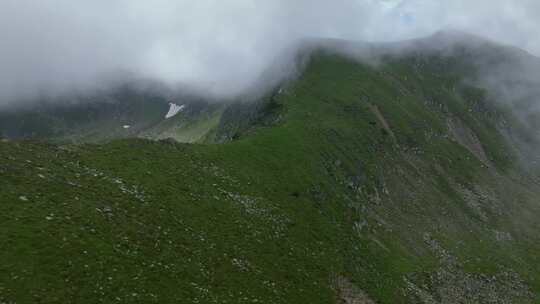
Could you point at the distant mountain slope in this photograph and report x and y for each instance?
(402, 182)
(86, 118)
(122, 112)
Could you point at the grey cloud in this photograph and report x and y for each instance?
(220, 46)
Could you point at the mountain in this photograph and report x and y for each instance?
(405, 179)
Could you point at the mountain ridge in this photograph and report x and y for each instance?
(481, 59)
(388, 183)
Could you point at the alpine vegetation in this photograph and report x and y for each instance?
(279, 152)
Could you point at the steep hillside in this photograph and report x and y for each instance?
(395, 183)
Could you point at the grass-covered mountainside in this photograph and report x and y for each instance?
(396, 183)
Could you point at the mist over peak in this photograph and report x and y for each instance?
(217, 48)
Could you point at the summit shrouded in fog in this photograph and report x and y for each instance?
(218, 47)
(285, 152)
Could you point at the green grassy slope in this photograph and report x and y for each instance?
(392, 183)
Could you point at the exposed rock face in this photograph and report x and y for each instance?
(451, 284)
(382, 121)
(348, 293)
(467, 138)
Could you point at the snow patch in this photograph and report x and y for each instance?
(174, 110)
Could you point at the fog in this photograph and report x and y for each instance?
(220, 47)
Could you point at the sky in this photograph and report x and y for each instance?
(219, 46)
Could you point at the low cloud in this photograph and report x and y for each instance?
(220, 47)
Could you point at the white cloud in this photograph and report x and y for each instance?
(221, 45)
